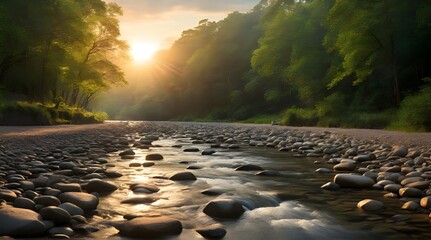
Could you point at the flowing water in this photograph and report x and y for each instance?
(289, 205)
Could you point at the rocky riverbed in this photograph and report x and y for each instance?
(192, 181)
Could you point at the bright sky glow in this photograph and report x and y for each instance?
(143, 52)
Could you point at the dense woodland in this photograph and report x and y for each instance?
(348, 63)
(59, 52)
(323, 62)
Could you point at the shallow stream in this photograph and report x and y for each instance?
(287, 205)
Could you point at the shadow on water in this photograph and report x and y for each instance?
(289, 204)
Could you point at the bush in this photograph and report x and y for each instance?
(332, 110)
(415, 112)
(373, 120)
(24, 113)
(300, 117)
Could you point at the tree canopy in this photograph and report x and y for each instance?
(51, 50)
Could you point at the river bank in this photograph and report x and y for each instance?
(180, 177)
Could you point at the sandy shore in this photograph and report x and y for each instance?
(383, 136)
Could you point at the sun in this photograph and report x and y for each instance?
(143, 52)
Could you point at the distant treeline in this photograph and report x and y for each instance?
(58, 51)
(349, 63)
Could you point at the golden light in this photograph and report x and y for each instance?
(143, 52)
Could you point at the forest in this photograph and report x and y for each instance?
(55, 57)
(333, 63)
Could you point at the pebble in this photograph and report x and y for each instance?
(46, 200)
(99, 186)
(147, 227)
(154, 157)
(57, 215)
(249, 167)
(224, 208)
(214, 231)
(353, 181)
(183, 176)
(19, 222)
(83, 200)
(410, 193)
(411, 206)
(71, 208)
(370, 205)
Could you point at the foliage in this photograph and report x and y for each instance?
(300, 117)
(51, 50)
(415, 111)
(25, 113)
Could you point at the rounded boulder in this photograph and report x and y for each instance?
(353, 181)
(150, 227)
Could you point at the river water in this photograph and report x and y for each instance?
(289, 205)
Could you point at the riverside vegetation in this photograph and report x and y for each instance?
(55, 57)
(336, 63)
(333, 63)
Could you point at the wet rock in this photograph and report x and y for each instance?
(353, 181)
(66, 231)
(422, 185)
(46, 200)
(112, 174)
(57, 215)
(410, 193)
(67, 187)
(71, 208)
(154, 157)
(393, 188)
(411, 180)
(22, 202)
(26, 185)
(7, 195)
(138, 200)
(93, 175)
(214, 231)
(224, 208)
(148, 164)
(399, 151)
(411, 206)
(99, 186)
(145, 227)
(19, 222)
(362, 158)
(144, 188)
(347, 166)
(213, 192)
(370, 205)
(128, 152)
(249, 167)
(135, 164)
(191, 149)
(426, 202)
(268, 173)
(208, 152)
(183, 176)
(83, 200)
(194, 167)
(66, 165)
(323, 170)
(391, 195)
(330, 186)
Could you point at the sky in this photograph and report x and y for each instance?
(161, 22)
